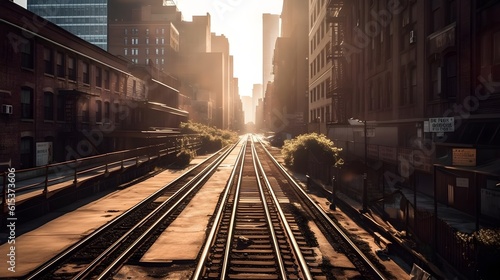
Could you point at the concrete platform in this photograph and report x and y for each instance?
(184, 238)
(41, 239)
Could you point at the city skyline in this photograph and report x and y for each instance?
(233, 19)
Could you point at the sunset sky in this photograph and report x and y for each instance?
(241, 22)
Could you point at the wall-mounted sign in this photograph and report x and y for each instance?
(43, 153)
(462, 182)
(442, 124)
(464, 157)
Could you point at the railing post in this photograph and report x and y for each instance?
(106, 171)
(75, 179)
(121, 167)
(46, 183)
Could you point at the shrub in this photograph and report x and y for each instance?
(296, 151)
(212, 139)
(184, 157)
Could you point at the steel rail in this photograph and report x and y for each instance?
(37, 273)
(259, 171)
(325, 216)
(191, 186)
(296, 248)
(218, 217)
(229, 241)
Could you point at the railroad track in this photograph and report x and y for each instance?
(102, 252)
(256, 232)
(329, 228)
(251, 237)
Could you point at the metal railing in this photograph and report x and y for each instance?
(77, 170)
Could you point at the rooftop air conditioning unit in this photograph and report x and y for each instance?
(413, 37)
(6, 109)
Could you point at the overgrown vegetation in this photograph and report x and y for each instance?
(487, 244)
(296, 151)
(212, 139)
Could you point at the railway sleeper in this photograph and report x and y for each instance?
(253, 276)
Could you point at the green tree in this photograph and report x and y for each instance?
(296, 151)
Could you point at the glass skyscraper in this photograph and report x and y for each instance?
(87, 19)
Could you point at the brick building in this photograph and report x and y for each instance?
(64, 98)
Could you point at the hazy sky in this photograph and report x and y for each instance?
(241, 22)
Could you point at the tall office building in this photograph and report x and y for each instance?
(87, 19)
(270, 32)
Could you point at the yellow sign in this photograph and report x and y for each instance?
(464, 157)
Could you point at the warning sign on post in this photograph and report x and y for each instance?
(442, 124)
(464, 157)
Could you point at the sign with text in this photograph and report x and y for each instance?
(442, 124)
(464, 157)
(43, 153)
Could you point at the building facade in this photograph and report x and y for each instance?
(417, 100)
(290, 85)
(270, 32)
(87, 20)
(63, 94)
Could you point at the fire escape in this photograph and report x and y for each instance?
(337, 88)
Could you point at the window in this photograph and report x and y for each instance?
(48, 106)
(436, 14)
(106, 112)
(48, 60)
(26, 103)
(106, 79)
(450, 67)
(27, 55)
(60, 107)
(452, 12)
(117, 83)
(435, 80)
(98, 77)
(60, 65)
(413, 85)
(85, 72)
(134, 86)
(98, 111)
(403, 94)
(26, 149)
(71, 69)
(117, 113)
(85, 111)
